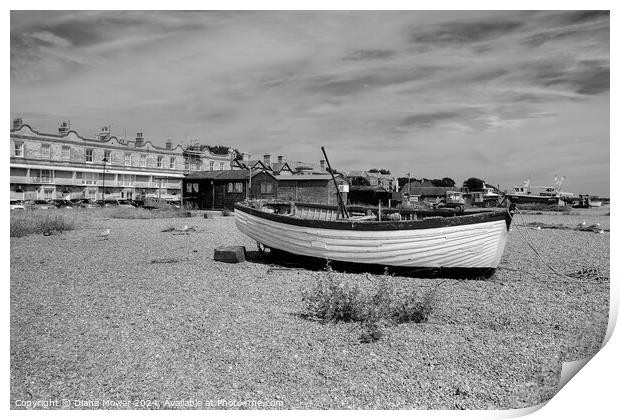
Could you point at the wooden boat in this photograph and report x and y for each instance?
(441, 238)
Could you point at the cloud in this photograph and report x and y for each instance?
(466, 32)
(361, 55)
(587, 77)
(580, 16)
(338, 85)
(51, 39)
(429, 119)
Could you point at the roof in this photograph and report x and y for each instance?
(228, 175)
(306, 177)
(353, 174)
(378, 188)
(279, 166)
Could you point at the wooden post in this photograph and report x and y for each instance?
(379, 212)
(341, 204)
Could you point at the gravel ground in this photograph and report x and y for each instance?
(99, 320)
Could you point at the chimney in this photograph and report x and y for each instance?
(322, 164)
(63, 128)
(104, 133)
(169, 144)
(17, 122)
(267, 160)
(280, 159)
(139, 139)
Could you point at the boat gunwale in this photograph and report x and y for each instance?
(343, 224)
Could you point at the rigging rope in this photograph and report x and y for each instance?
(529, 241)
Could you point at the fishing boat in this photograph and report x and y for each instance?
(439, 238)
(526, 194)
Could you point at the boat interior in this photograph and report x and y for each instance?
(311, 211)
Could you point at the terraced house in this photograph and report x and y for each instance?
(67, 165)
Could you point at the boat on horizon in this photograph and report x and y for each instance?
(396, 237)
(527, 194)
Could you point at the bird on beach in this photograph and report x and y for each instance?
(105, 234)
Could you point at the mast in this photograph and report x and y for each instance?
(341, 204)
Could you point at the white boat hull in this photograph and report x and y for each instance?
(478, 245)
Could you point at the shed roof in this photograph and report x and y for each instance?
(220, 175)
(306, 177)
(378, 188)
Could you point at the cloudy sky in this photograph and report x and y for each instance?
(496, 95)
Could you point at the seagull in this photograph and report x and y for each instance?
(105, 234)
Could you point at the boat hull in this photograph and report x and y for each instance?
(532, 199)
(474, 241)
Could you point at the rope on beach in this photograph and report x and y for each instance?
(586, 273)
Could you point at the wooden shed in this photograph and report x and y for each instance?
(264, 186)
(215, 190)
(311, 188)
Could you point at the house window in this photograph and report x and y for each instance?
(160, 161)
(266, 188)
(128, 180)
(221, 166)
(65, 153)
(90, 178)
(47, 176)
(186, 163)
(143, 161)
(89, 155)
(127, 159)
(19, 149)
(48, 193)
(234, 187)
(172, 163)
(45, 151)
(211, 165)
(107, 155)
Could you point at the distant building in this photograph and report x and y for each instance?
(67, 165)
(375, 179)
(280, 167)
(221, 189)
(425, 189)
